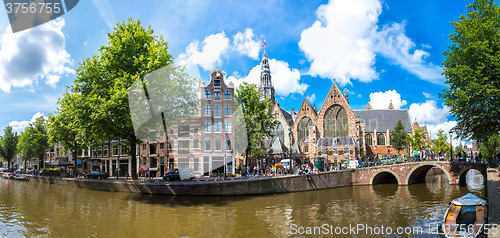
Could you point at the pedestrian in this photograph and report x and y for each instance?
(243, 171)
(139, 173)
(147, 173)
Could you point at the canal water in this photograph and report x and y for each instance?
(31, 209)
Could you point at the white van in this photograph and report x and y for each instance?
(285, 163)
(351, 164)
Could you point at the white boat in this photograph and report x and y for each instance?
(21, 177)
(465, 217)
(8, 175)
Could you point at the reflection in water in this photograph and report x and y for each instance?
(474, 180)
(34, 209)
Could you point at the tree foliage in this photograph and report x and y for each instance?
(490, 146)
(258, 117)
(399, 138)
(440, 145)
(34, 140)
(103, 82)
(65, 126)
(472, 71)
(417, 142)
(8, 144)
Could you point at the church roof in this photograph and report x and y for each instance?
(383, 119)
(277, 148)
(288, 117)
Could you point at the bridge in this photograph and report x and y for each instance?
(414, 172)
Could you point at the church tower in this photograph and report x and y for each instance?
(266, 85)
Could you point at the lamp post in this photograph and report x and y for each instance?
(290, 149)
(451, 145)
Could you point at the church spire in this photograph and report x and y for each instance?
(266, 85)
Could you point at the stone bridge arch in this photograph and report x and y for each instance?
(460, 179)
(385, 176)
(418, 172)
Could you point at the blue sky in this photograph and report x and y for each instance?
(378, 50)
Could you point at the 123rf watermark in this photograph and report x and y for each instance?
(365, 229)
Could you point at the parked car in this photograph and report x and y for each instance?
(4, 169)
(176, 174)
(96, 175)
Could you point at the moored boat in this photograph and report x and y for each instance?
(465, 217)
(8, 175)
(21, 177)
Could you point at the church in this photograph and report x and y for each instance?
(335, 132)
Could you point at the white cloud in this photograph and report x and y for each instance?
(214, 46)
(381, 100)
(106, 11)
(345, 40)
(427, 95)
(244, 43)
(428, 112)
(338, 44)
(311, 98)
(393, 44)
(20, 125)
(445, 126)
(33, 54)
(285, 80)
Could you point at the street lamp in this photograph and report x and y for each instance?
(290, 149)
(451, 145)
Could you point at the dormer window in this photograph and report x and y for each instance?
(217, 83)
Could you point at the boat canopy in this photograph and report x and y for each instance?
(469, 200)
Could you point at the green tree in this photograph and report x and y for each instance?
(417, 140)
(103, 82)
(34, 140)
(471, 71)
(65, 126)
(490, 146)
(258, 117)
(440, 144)
(8, 144)
(399, 138)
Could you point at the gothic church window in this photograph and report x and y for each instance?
(380, 139)
(303, 129)
(335, 122)
(368, 139)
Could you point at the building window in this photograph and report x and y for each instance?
(368, 139)
(217, 125)
(228, 144)
(208, 126)
(161, 133)
(208, 110)
(105, 151)
(227, 110)
(217, 83)
(227, 95)
(216, 95)
(278, 131)
(115, 150)
(335, 123)
(183, 131)
(207, 145)
(153, 163)
(124, 150)
(196, 144)
(183, 147)
(99, 151)
(207, 94)
(144, 161)
(303, 129)
(217, 110)
(380, 139)
(152, 149)
(195, 131)
(217, 144)
(227, 126)
(162, 146)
